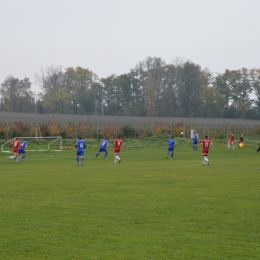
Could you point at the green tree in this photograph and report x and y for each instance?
(112, 96)
(78, 83)
(55, 98)
(150, 75)
(255, 84)
(38, 106)
(221, 84)
(238, 81)
(191, 79)
(234, 85)
(132, 101)
(16, 95)
(152, 95)
(211, 103)
(97, 88)
(169, 104)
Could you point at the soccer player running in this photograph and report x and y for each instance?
(16, 144)
(118, 143)
(195, 141)
(22, 149)
(231, 141)
(241, 141)
(80, 145)
(103, 148)
(171, 144)
(206, 144)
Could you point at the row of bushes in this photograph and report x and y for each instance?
(94, 131)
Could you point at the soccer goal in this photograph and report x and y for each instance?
(36, 144)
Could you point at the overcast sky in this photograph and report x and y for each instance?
(112, 36)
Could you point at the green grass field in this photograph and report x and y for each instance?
(145, 207)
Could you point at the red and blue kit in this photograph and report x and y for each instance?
(16, 145)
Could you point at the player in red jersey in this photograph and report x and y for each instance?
(16, 145)
(118, 143)
(206, 144)
(231, 141)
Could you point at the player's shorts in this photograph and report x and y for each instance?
(170, 149)
(116, 150)
(205, 152)
(21, 150)
(16, 151)
(102, 149)
(80, 153)
(195, 142)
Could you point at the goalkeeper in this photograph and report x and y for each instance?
(241, 141)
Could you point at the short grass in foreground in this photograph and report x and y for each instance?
(145, 207)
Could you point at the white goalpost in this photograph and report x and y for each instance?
(36, 144)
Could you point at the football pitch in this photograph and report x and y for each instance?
(145, 207)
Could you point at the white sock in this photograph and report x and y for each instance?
(11, 157)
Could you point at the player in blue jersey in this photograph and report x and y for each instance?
(103, 148)
(80, 145)
(22, 148)
(195, 141)
(171, 144)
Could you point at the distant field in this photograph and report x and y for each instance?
(145, 207)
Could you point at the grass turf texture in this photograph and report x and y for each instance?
(145, 207)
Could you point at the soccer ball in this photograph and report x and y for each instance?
(241, 145)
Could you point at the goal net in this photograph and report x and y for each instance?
(36, 144)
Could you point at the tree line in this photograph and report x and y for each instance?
(153, 88)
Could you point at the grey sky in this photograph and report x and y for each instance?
(112, 36)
